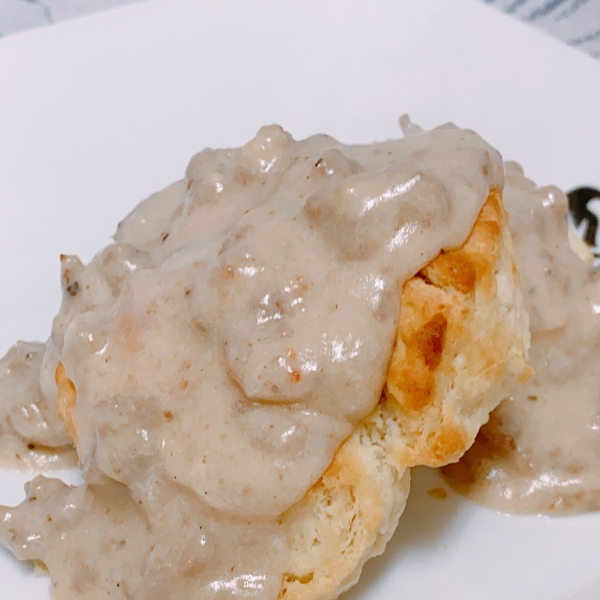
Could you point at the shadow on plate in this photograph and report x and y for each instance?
(424, 523)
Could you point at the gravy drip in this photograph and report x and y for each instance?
(32, 437)
(540, 451)
(225, 345)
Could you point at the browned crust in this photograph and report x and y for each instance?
(456, 348)
(444, 379)
(66, 400)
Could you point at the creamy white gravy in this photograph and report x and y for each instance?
(31, 434)
(540, 451)
(224, 347)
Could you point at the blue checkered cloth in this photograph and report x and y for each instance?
(577, 22)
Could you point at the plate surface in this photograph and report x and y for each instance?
(98, 113)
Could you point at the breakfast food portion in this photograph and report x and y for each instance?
(539, 451)
(248, 372)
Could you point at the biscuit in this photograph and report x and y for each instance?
(349, 515)
(462, 342)
(65, 400)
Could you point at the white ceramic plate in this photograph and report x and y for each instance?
(97, 113)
